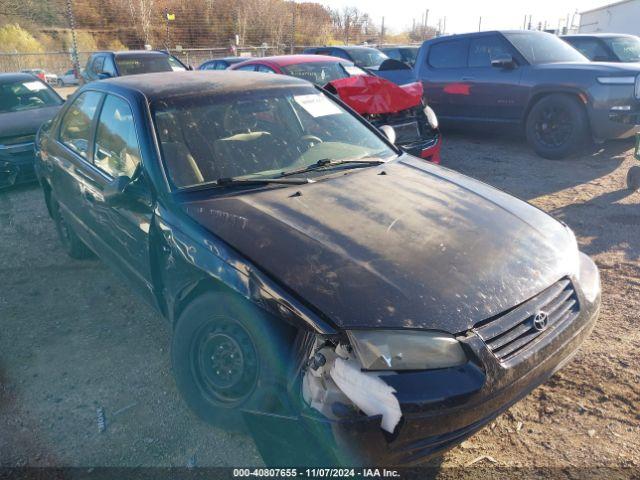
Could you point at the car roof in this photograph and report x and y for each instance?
(228, 59)
(16, 77)
(157, 86)
(389, 47)
(124, 53)
(598, 35)
(285, 60)
(481, 34)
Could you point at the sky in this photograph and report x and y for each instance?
(463, 16)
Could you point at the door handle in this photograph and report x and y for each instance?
(90, 197)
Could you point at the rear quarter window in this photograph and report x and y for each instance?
(451, 54)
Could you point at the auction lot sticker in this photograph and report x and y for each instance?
(317, 105)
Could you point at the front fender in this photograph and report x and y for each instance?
(190, 257)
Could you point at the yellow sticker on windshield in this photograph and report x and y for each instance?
(317, 105)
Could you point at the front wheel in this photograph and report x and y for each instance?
(633, 178)
(228, 355)
(557, 127)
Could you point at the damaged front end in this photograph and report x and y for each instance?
(402, 107)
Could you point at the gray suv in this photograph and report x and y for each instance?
(532, 80)
(103, 65)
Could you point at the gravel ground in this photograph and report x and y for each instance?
(73, 340)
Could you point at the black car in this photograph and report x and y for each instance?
(403, 53)
(343, 297)
(364, 57)
(222, 63)
(102, 65)
(534, 81)
(25, 103)
(606, 47)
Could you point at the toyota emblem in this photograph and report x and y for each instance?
(541, 321)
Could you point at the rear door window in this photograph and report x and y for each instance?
(265, 69)
(451, 54)
(485, 49)
(75, 127)
(117, 152)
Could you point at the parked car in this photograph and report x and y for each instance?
(404, 53)
(221, 63)
(343, 296)
(633, 175)
(532, 80)
(102, 65)
(606, 47)
(364, 57)
(380, 101)
(25, 103)
(50, 78)
(69, 78)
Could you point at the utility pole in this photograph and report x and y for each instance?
(382, 32)
(444, 25)
(293, 28)
(480, 24)
(74, 39)
(426, 24)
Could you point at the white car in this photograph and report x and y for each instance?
(68, 78)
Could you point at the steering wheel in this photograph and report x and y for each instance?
(311, 139)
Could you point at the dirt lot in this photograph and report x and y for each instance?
(74, 340)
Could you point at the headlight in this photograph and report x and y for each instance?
(406, 349)
(432, 118)
(589, 277)
(617, 80)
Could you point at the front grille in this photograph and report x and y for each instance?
(411, 125)
(513, 332)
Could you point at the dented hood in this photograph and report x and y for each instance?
(368, 94)
(418, 247)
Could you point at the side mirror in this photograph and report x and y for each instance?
(389, 132)
(189, 67)
(103, 75)
(115, 191)
(506, 62)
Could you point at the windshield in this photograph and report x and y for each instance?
(25, 95)
(538, 48)
(367, 57)
(319, 73)
(627, 49)
(134, 65)
(260, 134)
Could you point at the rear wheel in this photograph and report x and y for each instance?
(71, 243)
(633, 178)
(557, 127)
(227, 354)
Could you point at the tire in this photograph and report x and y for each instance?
(557, 127)
(633, 178)
(71, 243)
(226, 355)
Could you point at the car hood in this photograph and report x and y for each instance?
(418, 247)
(602, 68)
(26, 122)
(368, 94)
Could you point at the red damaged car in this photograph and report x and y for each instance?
(380, 101)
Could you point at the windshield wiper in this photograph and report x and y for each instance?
(325, 163)
(231, 181)
(223, 182)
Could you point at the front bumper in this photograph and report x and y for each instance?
(16, 164)
(606, 118)
(428, 149)
(443, 407)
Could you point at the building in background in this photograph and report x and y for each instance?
(618, 17)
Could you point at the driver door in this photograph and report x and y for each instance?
(122, 228)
